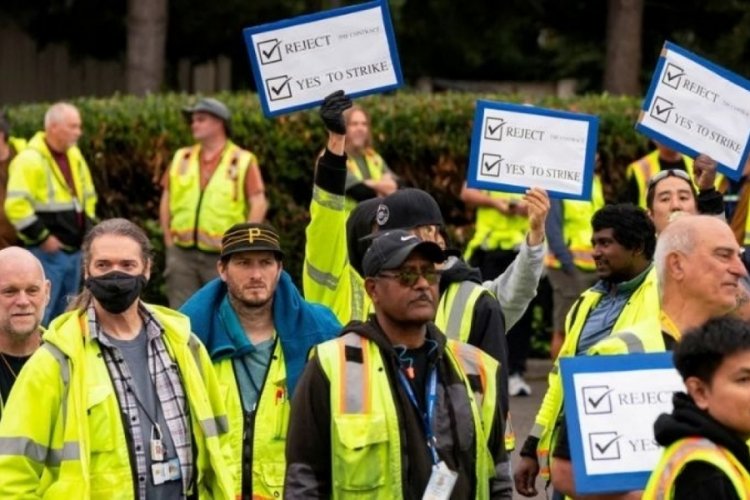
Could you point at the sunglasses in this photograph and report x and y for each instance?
(670, 172)
(409, 277)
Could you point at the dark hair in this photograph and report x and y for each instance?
(703, 349)
(4, 127)
(651, 192)
(631, 226)
(116, 227)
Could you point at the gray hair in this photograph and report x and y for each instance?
(56, 113)
(679, 236)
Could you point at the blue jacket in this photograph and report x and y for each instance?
(300, 325)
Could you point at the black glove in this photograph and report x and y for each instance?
(332, 111)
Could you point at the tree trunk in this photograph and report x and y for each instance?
(147, 39)
(623, 65)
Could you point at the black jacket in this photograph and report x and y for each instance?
(700, 479)
(308, 451)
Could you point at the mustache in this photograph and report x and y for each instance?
(423, 296)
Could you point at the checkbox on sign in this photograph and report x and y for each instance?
(493, 129)
(672, 76)
(597, 400)
(661, 109)
(491, 165)
(279, 88)
(269, 51)
(604, 445)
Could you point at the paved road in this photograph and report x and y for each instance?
(524, 410)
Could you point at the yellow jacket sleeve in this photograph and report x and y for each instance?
(25, 179)
(29, 436)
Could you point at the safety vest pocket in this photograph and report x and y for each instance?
(360, 452)
(272, 475)
(101, 419)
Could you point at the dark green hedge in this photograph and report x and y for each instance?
(425, 139)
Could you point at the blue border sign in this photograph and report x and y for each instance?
(681, 122)
(298, 61)
(585, 481)
(515, 147)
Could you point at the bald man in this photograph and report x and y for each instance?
(24, 293)
(51, 202)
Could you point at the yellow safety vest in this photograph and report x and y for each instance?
(37, 188)
(495, 230)
(270, 425)
(375, 166)
(576, 229)
(200, 218)
(70, 443)
(647, 167)
(680, 453)
(17, 143)
(366, 441)
(455, 315)
(642, 307)
(328, 278)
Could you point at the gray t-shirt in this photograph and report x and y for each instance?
(135, 354)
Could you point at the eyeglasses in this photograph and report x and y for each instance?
(670, 172)
(409, 277)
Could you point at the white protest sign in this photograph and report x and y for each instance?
(297, 62)
(695, 106)
(516, 147)
(611, 404)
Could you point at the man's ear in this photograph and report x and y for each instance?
(699, 391)
(371, 289)
(675, 266)
(221, 267)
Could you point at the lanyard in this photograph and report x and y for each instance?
(426, 415)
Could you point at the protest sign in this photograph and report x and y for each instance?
(694, 106)
(611, 404)
(515, 147)
(297, 62)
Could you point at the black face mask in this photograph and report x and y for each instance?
(116, 291)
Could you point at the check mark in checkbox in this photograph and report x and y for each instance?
(279, 88)
(493, 129)
(491, 165)
(597, 400)
(672, 76)
(604, 445)
(269, 51)
(661, 109)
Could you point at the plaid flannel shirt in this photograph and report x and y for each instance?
(169, 391)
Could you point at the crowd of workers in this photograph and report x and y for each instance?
(390, 375)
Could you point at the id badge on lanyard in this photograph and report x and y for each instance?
(442, 480)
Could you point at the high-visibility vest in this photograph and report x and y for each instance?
(577, 231)
(38, 191)
(684, 451)
(455, 315)
(642, 307)
(17, 143)
(366, 440)
(328, 278)
(270, 424)
(373, 163)
(647, 167)
(62, 436)
(495, 230)
(199, 218)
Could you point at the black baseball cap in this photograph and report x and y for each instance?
(408, 208)
(389, 250)
(251, 237)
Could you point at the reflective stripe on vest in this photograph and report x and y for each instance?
(456, 309)
(680, 453)
(355, 386)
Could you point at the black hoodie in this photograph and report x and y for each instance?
(700, 479)
(308, 451)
